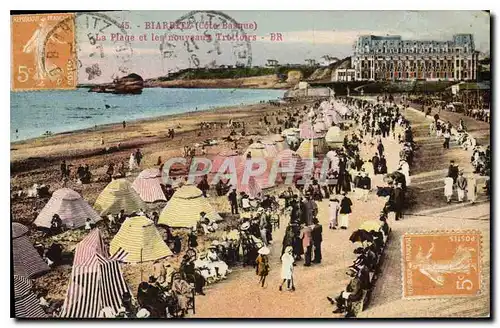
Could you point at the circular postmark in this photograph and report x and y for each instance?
(104, 49)
(58, 58)
(205, 39)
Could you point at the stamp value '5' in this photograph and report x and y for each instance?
(441, 264)
(43, 52)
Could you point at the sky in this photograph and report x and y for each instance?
(305, 35)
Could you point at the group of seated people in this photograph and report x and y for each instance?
(363, 272)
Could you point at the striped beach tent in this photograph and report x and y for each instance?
(26, 304)
(184, 208)
(140, 239)
(319, 145)
(221, 157)
(86, 249)
(148, 185)
(262, 181)
(118, 195)
(27, 261)
(94, 285)
(285, 160)
(71, 208)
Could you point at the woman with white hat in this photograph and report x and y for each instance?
(287, 268)
(212, 256)
(262, 269)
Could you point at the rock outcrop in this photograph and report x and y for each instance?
(130, 84)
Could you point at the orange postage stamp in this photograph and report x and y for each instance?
(441, 264)
(43, 52)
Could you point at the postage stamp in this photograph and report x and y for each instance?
(43, 52)
(441, 264)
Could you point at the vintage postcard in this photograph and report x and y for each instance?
(250, 164)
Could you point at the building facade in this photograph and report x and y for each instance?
(392, 58)
(344, 75)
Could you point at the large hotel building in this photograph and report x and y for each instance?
(391, 58)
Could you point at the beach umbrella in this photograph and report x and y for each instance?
(361, 236)
(370, 225)
(26, 304)
(184, 208)
(140, 239)
(71, 208)
(148, 185)
(118, 194)
(264, 251)
(26, 260)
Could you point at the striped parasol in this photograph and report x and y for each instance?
(184, 208)
(97, 284)
(86, 249)
(71, 208)
(139, 237)
(148, 186)
(118, 195)
(26, 304)
(27, 261)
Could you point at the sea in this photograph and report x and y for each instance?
(32, 113)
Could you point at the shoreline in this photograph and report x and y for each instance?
(138, 120)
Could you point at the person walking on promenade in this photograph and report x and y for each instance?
(333, 207)
(461, 186)
(262, 268)
(233, 200)
(453, 171)
(448, 188)
(306, 236)
(345, 210)
(317, 238)
(472, 189)
(287, 269)
(447, 136)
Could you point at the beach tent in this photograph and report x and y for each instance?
(258, 149)
(320, 127)
(184, 208)
(148, 185)
(271, 148)
(222, 156)
(118, 195)
(263, 180)
(27, 261)
(319, 145)
(26, 304)
(334, 136)
(279, 142)
(140, 239)
(96, 280)
(71, 208)
(285, 159)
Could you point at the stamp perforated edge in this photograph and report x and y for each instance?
(438, 232)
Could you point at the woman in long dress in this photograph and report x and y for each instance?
(334, 207)
(472, 189)
(448, 188)
(287, 269)
(132, 164)
(405, 169)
